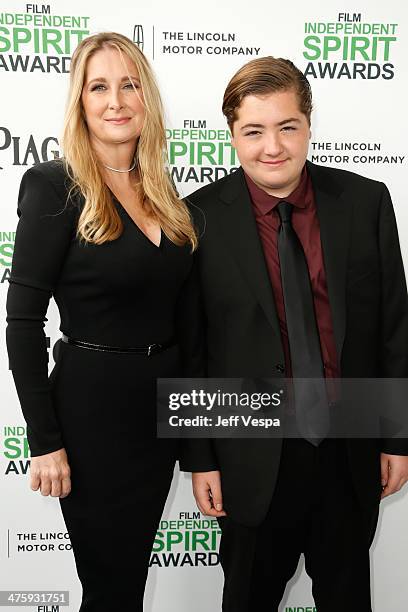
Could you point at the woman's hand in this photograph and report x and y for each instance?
(51, 474)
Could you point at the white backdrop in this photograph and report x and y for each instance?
(356, 58)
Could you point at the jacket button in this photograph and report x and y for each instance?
(280, 368)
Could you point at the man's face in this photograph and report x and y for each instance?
(271, 137)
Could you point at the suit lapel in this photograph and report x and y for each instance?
(239, 228)
(334, 214)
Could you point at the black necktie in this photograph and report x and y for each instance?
(312, 415)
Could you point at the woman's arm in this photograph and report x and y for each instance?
(45, 230)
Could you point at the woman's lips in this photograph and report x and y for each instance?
(118, 121)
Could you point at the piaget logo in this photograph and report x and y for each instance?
(35, 39)
(6, 254)
(28, 149)
(350, 48)
(16, 450)
(198, 153)
(187, 541)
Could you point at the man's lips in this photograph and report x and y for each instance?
(278, 162)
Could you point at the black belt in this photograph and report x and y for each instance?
(151, 349)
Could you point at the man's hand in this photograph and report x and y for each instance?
(207, 493)
(51, 474)
(394, 473)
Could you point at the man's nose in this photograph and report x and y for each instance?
(273, 145)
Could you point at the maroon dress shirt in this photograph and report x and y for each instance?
(306, 225)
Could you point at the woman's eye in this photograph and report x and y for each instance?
(101, 87)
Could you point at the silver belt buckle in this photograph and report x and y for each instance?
(152, 348)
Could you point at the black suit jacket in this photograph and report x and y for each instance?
(368, 298)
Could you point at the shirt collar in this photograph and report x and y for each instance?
(264, 202)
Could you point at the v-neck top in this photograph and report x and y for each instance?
(122, 209)
(121, 293)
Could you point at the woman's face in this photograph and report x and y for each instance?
(112, 102)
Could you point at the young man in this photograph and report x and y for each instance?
(302, 276)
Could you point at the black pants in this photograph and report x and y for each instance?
(313, 511)
(120, 472)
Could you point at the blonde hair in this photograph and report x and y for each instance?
(99, 221)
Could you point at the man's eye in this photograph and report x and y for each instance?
(289, 128)
(254, 132)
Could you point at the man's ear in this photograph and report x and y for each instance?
(232, 137)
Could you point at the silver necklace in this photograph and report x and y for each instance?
(132, 167)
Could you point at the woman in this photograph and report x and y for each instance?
(103, 232)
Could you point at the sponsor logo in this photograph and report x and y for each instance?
(198, 153)
(138, 36)
(189, 540)
(15, 450)
(6, 254)
(212, 44)
(22, 542)
(349, 48)
(353, 152)
(36, 40)
(194, 42)
(28, 150)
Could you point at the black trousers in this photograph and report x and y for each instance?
(112, 534)
(121, 473)
(313, 511)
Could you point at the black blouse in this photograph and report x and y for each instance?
(126, 292)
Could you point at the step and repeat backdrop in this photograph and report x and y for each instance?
(355, 55)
